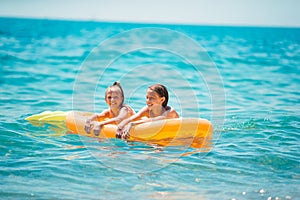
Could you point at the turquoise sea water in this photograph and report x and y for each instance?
(247, 84)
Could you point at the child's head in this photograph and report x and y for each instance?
(159, 94)
(114, 95)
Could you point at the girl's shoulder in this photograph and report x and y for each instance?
(127, 106)
(169, 108)
(171, 112)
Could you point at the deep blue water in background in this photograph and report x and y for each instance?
(256, 151)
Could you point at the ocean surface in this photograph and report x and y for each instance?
(245, 80)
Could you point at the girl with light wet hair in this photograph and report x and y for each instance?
(117, 111)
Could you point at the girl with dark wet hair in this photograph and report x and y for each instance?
(156, 109)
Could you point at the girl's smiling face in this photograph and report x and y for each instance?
(153, 99)
(114, 98)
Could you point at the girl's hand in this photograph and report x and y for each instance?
(126, 131)
(88, 126)
(97, 128)
(123, 133)
(119, 133)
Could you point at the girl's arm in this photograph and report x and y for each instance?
(141, 113)
(125, 131)
(99, 116)
(148, 120)
(122, 115)
(168, 114)
(126, 122)
(88, 124)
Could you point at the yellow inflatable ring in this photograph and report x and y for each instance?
(178, 131)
